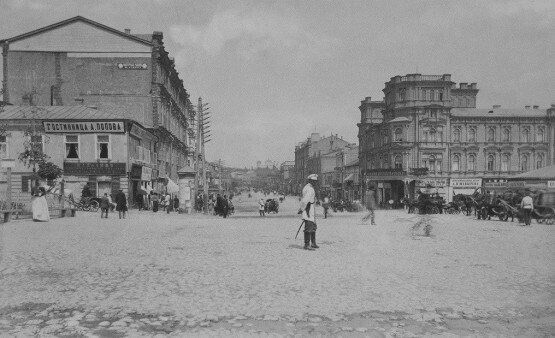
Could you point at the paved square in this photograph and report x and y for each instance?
(193, 275)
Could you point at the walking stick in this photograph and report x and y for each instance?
(299, 229)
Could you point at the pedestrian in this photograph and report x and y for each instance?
(370, 200)
(155, 200)
(39, 205)
(527, 205)
(261, 207)
(307, 209)
(168, 203)
(104, 205)
(176, 203)
(326, 205)
(225, 206)
(139, 201)
(121, 203)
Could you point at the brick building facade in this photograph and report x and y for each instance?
(427, 132)
(82, 62)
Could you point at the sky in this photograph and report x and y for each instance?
(275, 71)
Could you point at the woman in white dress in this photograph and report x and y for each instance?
(39, 206)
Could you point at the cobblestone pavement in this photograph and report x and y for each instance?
(197, 275)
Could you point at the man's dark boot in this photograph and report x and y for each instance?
(307, 241)
(313, 238)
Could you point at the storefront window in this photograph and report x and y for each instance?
(72, 146)
(103, 146)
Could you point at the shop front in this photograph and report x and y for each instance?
(389, 184)
(100, 177)
(463, 186)
(433, 186)
(141, 181)
(497, 185)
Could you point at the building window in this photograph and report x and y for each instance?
(103, 146)
(433, 135)
(526, 135)
(491, 134)
(441, 96)
(3, 147)
(506, 135)
(524, 163)
(472, 135)
(72, 146)
(25, 183)
(540, 135)
(432, 163)
(398, 162)
(539, 161)
(456, 164)
(398, 135)
(385, 139)
(505, 160)
(471, 162)
(457, 135)
(491, 163)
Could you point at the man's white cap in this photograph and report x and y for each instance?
(313, 177)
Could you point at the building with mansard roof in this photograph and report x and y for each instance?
(427, 134)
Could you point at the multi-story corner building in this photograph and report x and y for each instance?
(81, 62)
(316, 155)
(287, 170)
(427, 132)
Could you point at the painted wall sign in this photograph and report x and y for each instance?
(136, 66)
(94, 168)
(466, 182)
(85, 127)
(434, 182)
(385, 172)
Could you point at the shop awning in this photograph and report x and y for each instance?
(545, 173)
(349, 177)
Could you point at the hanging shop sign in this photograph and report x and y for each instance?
(515, 184)
(146, 174)
(466, 182)
(94, 168)
(133, 66)
(385, 172)
(434, 182)
(84, 127)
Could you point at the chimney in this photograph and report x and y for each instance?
(473, 85)
(496, 106)
(314, 137)
(463, 85)
(526, 107)
(536, 107)
(127, 31)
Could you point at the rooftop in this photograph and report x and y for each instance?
(55, 113)
(498, 112)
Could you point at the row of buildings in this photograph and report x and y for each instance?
(426, 133)
(108, 105)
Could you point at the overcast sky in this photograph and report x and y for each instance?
(275, 71)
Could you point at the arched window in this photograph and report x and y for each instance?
(540, 135)
(457, 135)
(491, 163)
(433, 135)
(432, 163)
(506, 135)
(539, 161)
(398, 162)
(385, 139)
(398, 135)
(471, 162)
(456, 163)
(491, 134)
(524, 163)
(526, 135)
(472, 134)
(505, 160)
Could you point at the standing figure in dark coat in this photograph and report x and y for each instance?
(121, 203)
(104, 205)
(218, 208)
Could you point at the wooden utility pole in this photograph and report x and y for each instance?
(204, 182)
(197, 153)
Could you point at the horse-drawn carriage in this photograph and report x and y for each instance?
(426, 204)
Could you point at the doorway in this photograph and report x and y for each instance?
(104, 187)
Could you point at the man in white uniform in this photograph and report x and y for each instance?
(307, 209)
